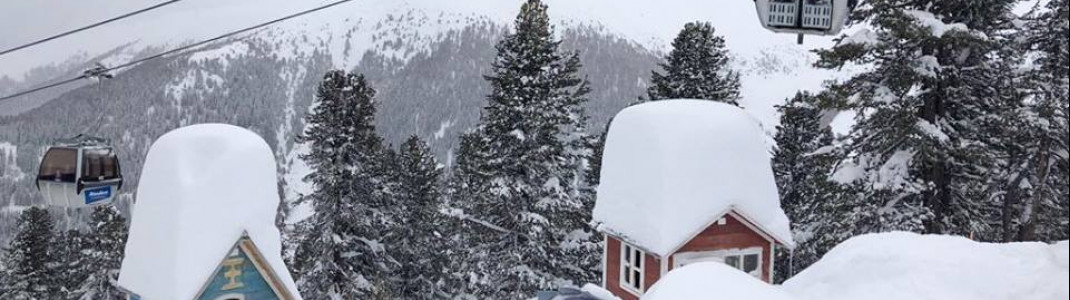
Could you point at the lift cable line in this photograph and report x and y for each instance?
(94, 25)
(173, 51)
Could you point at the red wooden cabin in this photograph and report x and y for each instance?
(686, 181)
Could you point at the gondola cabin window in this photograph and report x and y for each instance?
(60, 165)
(100, 164)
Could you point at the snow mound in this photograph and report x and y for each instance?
(599, 292)
(709, 281)
(906, 266)
(672, 167)
(201, 187)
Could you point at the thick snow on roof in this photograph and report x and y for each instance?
(712, 281)
(201, 187)
(672, 167)
(906, 266)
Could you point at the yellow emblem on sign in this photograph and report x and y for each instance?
(233, 273)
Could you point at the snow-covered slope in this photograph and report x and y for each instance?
(709, 281)
(906, 266)
(773, 66)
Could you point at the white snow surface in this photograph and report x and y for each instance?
(672, 167)
(710, 281)
(202, 187)
(907, 266)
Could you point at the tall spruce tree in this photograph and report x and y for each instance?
(913, 151)
(529, 227)
(338, 254)
(697, 68)
(421, 245)
(1042, 131)
(101, 256)
(72, 267)
(30, 261)
(802, 171)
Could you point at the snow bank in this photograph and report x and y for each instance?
(710, 281)
(599, 292)
(672, 167)
(201, 187)
(905, 266)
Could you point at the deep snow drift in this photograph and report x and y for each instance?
(201, 188)
(712, 281)
(893, 266)
(907, 266)
(672, 166)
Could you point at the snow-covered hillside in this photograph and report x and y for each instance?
(773, 66)
(426, 58)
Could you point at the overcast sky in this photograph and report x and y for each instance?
(24, 21)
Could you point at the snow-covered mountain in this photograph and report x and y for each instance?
(425, 57)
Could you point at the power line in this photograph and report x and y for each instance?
(176, 50)
(94, 25)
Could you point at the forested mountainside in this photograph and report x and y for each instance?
(435, 93)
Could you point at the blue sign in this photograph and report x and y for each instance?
(97, 194)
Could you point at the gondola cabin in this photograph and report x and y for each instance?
(805, 17)
(79, 175)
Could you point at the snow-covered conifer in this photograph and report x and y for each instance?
(31, 266)
(914, 150)
(101, 256)
(338, 254)
(524, 165)
(697, 68)
(421, 245)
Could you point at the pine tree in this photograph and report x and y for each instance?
(338, 254)
(102, 256)
(420, 243)
(522, 166)
(1042, 132)
(913, 151)
(802, 164)
(71, 265)
(697, 68)
(31, 268)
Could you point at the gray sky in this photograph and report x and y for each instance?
(24, 21)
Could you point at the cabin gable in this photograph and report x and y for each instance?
(729, 235)
(244, 275)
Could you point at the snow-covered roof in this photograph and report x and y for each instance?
(201, 188)
(671, 168)
(906, 266)
(710, 281)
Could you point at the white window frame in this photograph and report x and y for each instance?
(627, 267)
(680, 258)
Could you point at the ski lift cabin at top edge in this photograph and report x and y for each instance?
(805, 17)
(80, 172)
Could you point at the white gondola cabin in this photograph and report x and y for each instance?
(805, 17)
(81, 173)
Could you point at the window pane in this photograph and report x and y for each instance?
(627, 254)
(635, 280)
(732, 261)
(638, 260)
(60, 164)
(750, 263)
(99, 164)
